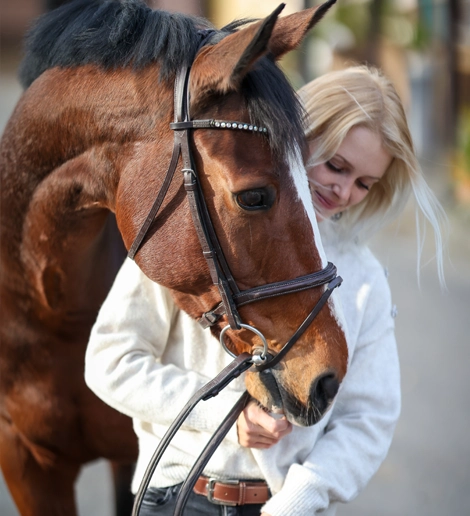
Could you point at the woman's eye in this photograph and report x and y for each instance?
(362, 185)
(332, 167)
(257, 199)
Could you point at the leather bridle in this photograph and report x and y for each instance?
(231, 296)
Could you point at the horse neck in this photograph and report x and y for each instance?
(61, 165)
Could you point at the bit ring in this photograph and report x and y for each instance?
(259, 356)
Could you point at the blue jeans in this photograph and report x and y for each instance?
(162, 502)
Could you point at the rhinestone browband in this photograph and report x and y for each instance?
(217, 124)
(237, 125)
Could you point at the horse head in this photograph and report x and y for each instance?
(105, 142)
(256, 190)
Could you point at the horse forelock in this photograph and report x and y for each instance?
(127, 33)
(272, 103)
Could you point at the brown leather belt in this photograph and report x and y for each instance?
(232, 492)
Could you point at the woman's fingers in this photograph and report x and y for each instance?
(257, 429)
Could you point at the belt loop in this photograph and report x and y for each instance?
(241, 499)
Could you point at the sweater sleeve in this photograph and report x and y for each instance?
(359, 432)
(124, 362)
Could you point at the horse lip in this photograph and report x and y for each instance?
(281, 400)
(270, 383)
(285, 404)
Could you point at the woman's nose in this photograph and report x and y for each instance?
(342, 190)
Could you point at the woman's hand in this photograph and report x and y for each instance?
(257, 429)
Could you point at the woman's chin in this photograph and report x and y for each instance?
(320, 212)
(323, 214)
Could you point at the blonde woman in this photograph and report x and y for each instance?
(362, 99)
(361, 170)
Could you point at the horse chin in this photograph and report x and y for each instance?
(275, 399)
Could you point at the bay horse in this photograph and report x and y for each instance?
(88, 143)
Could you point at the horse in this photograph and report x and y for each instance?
(82, 158)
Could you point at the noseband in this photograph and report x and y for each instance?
(231, 296)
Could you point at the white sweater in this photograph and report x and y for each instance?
(146, 358)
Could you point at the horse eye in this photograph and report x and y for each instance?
(258, 199)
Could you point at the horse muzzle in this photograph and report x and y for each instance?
(269, 388)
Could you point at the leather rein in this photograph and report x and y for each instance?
(231, 296)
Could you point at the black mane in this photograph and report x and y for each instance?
(120, 33)
(110, 33)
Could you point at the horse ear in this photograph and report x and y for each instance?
(290, 30)
(220, 68)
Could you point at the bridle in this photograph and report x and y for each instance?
(231, 296)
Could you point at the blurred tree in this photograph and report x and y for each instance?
(454, 12)
(374, 32)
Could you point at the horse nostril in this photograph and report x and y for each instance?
(324, 390)
(330, 385)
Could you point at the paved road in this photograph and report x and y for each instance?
(427, 471)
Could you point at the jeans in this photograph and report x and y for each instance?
(162, 502)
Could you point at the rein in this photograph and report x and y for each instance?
(231, 296)
(211, 389)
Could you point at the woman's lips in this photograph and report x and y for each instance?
(325, 202)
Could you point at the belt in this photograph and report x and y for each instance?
(232, 492)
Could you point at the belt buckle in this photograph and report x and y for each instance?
(211, 487)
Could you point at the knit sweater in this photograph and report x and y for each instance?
(146, 358)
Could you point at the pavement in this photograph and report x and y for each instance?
(427, 471)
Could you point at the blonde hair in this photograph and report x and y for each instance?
(362, 96)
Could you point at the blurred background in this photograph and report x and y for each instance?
(424, 47)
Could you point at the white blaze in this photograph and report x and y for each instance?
(299, 176)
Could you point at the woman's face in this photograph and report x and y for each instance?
(347, 177)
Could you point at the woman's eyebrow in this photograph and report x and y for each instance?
(343, 159)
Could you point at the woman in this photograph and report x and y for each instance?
(362, 97)
(361, 169)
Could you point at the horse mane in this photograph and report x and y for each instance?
(112, 34)
(127, 33)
